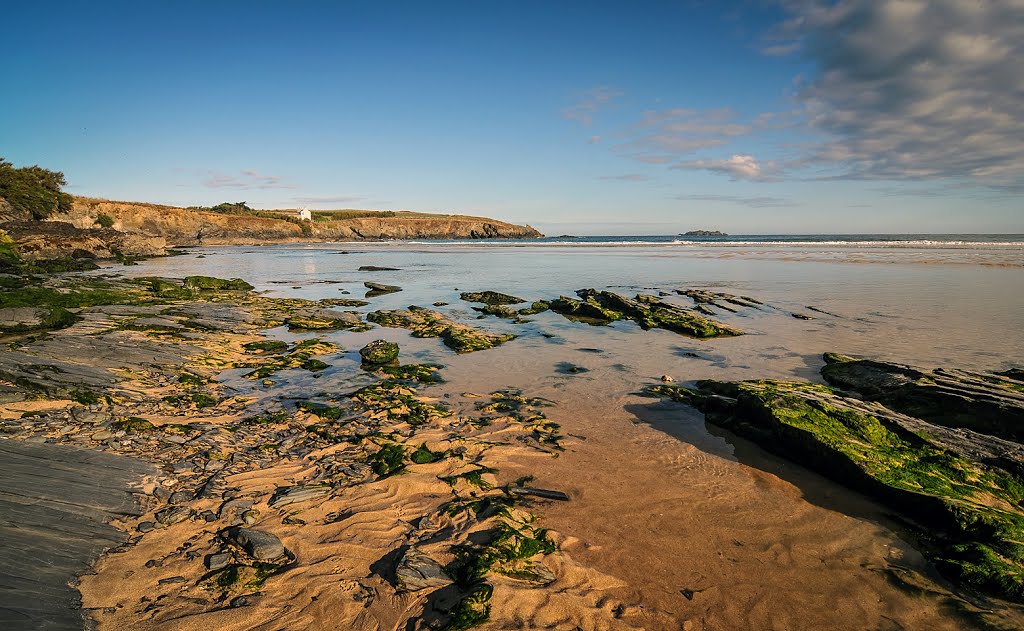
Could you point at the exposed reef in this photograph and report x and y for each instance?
(603, 307)
(459, 337)
(964, 488)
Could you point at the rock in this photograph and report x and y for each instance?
(249, 517)
(218, 561)
(291, 495)
(427, 323)
(181, 497)
(962, 485)
(145, 526)
(209, 283)
(417, 571)
(988, 403)
(260, 545)
(491, 298)
(374, 268)
(379, 352)
(170, 580)
(545, 493)
(602, 307)
(18, 319)
(173, 515)
(666, 379)
(244, 600)
(184, 466)
(377, 289)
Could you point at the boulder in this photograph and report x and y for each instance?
(260, 545)
(417, 571)
(379, 352)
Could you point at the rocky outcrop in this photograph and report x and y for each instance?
(964, 488)
(49, 240)
(185, 226)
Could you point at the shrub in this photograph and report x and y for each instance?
(33, 190)
(104, 221)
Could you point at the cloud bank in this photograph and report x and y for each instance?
(915, 89)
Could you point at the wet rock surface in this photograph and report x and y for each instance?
(379, 352)
(50, 494)
(964, 489)
(423, 322)
(604, 307)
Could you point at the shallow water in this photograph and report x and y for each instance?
(662, 502)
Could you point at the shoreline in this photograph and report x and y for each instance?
(338, 483)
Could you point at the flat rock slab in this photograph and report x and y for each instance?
(55, 505)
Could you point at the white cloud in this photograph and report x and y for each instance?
(590, 104)
(753, 202)
(739, 167)
(246, 179)
(914, 89)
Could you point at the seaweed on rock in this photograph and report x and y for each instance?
(603, 307)
(427, 323)
(965, 488)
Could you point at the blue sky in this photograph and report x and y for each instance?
(580, 117)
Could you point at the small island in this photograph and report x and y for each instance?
(704, 233)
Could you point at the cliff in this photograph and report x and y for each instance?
(184, 226)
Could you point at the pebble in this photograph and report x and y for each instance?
(173, 515)
(218, 561)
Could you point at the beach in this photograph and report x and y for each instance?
(667, 521)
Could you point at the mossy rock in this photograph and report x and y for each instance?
(266, 346)
(420, 373)
(24, 319)
(965, 489)
(989, 403)
(133, 424)
(539, 306)
(491, 298)
(427, 323)
(379, 352)
(210, 283)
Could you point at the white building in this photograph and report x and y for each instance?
(305, 215)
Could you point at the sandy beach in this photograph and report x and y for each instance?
(505, 473)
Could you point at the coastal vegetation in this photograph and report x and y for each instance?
(33, 192)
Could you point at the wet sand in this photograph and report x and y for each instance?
(671, 523)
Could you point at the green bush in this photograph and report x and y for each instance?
(33, 190)
(105, 221)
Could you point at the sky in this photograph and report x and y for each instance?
(593, 117)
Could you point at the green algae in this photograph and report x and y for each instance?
(135, 424)
(605, 307)
(300, 355)
(388, 461)
(473, 477)
(266, 346)
(511, 549)
(419, 373)
(426, 323)
(490, 298)
(398, 403)
(977, 506)
(210, 283)
(423, 455)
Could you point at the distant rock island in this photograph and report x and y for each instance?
(704, 233)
